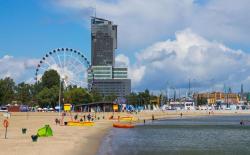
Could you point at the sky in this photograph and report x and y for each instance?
(164, 43)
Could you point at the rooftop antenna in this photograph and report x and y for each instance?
(95, 11)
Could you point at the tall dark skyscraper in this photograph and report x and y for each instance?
(103, 42)
(107, 79)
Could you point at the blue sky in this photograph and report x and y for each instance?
(204, 40)
(32, 28)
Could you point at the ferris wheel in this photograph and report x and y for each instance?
(72, 66)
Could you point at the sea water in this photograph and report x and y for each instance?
(210, 135)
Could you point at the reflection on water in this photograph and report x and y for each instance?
(214, 135)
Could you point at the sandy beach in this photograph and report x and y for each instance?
(70, 139)
(66, 139)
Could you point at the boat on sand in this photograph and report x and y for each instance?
(119, 125)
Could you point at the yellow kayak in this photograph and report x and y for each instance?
(72, 123)
(128, 118)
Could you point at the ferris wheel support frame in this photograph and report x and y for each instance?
(55, 52)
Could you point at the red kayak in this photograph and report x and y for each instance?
(117, 125)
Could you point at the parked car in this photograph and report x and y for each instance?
(3, 109)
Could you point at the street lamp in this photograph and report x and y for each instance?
(61, 80)
(59, 102)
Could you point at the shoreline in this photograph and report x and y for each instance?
(76, 140)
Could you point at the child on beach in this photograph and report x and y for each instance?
(57, 121)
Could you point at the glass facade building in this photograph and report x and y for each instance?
(100, 72)
(103, 42)
(120, 73)
(110, 87)
(106, 79)
(107, 72)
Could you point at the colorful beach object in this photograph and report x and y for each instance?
(46, 131)
(123, 118)
(119, 125)
(74, 123)
(127, 118)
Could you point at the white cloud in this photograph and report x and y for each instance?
(135, 72)
(191, 54)
(144, 22)
(122, 61)
(207, 63)
(18, 69)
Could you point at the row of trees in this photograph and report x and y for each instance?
(141, 98)
(46, 93)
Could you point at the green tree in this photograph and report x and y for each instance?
(201, 101)
(248, 97)
(110, 98)
(7, 87)
(133, 98)
(23, 93)
(50, 78)
(96, 96)
(34, 90)
(48, 97)
(77, 96)
(144, 97)
(46, 92)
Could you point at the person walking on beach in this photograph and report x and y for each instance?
(89, 117)
(75, 117)
(57, 121)
(84, 118)
(241, 122)
(181, 114)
